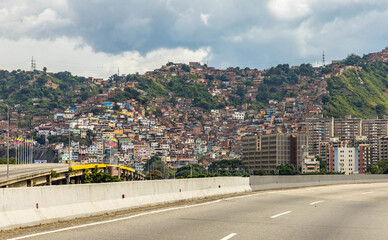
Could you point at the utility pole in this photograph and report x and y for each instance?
(69, 148)
(149, 170)
(8, 142)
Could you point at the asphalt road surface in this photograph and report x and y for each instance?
(357, 211)
(26, 169)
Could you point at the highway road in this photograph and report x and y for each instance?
(26, 169)
(357, 211)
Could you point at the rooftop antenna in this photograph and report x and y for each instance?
(323, 59)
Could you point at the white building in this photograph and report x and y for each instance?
(239, 115)
(346, 160)
(310, 164)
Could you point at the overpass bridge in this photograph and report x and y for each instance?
(29, 175)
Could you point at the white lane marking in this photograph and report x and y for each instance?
(165, 210)
(229, 236)
(113, 220)
(366, 192)
(280, 214)
(320, 201)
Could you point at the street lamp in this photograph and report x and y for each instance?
(69, 149)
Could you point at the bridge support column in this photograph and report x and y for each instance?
(67, 178)
(48, 179)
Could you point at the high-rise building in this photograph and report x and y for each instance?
(383, 149)
(347, 129)
(319, 130)
(266, 152)
(364, 157)
(328, 151)
(346, 160)
(100, 151)
(374, 129)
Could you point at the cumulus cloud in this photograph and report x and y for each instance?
(72, 54)
(251, 33)
(285, 9)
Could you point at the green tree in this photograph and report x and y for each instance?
(116, 107)
(186, 68)
(186, 170)
(224, 167)
(353, 59)
(287, 169)
(381, 167)
(155, 166)
(322, 164)
(99, 176)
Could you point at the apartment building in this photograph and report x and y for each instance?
(383, 148)
(364, 157)
(100, 151)
(347, 129)
(310, 164)
(346, 160)
(328, 151)
(319, 130)
(266, 152)
(374, 129)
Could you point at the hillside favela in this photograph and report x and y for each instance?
(166, 121)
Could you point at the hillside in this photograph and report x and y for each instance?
(355, 86)
(41, 93)
(360, 91)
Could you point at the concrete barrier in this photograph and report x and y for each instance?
(37, 205)
(29, 206)
(282, 182)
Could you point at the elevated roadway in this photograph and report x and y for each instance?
(25, 174)
(45, 174)
(355, 211)
(28, 169)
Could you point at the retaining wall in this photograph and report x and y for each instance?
(36, 205)
(282, 182)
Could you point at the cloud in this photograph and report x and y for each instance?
(255, 34)
(205, 18)
(72, 54)
(286, 10)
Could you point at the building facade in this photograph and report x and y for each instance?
(383, 148)
(374, 129)
(347, 129)
(319, 130)
(346, 160)
(266, 152)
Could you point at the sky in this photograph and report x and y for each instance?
(101, 37)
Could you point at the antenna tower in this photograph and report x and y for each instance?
(33, 64)
(323, 59)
